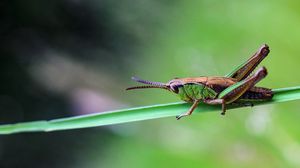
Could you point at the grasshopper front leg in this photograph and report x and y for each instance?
(235, 91)
(195, 104)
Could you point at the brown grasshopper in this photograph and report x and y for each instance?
(238, 87)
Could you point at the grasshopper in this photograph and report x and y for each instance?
(238, 87)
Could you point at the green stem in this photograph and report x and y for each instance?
(132, 114)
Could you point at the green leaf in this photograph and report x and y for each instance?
(132, 114)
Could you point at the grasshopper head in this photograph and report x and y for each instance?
(170, 86)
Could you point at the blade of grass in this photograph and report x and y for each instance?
(132, 114)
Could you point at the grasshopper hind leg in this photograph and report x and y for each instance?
(234, 92)
(245, 69)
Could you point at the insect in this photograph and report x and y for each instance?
(238, 87)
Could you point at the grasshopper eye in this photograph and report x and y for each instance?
(175, 88)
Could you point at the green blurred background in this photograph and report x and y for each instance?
(64, 58)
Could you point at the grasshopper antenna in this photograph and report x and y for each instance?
(150, 84)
